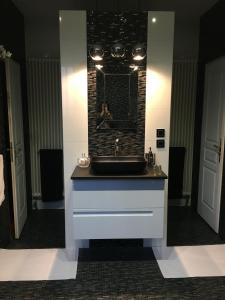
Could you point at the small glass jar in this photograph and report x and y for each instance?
(84, 161)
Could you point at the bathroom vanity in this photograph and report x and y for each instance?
(117, 206)
(103, 206)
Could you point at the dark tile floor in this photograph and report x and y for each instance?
(115, 269)
(186, 227)
(44, 228)
(125, 273)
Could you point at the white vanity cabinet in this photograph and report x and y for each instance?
(106, 207)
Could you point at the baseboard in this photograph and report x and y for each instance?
(36, 196)
(184, 201)
(50, 205)
(37, 203)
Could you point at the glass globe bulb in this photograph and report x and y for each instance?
(96, 52)
(138, 52)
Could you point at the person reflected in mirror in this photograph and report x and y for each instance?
(104, 116)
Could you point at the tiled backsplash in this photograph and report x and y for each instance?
(106, 29)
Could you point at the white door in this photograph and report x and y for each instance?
(212, 144)
(13, 80)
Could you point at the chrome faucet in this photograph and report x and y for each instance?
(116, 147)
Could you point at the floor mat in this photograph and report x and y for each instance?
(193, 261)
(36, 264)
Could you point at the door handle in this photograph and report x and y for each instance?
(218, 149)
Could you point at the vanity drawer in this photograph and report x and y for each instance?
(117, 200)
(147, 224)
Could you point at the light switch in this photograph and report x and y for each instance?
(160, 143)
(160, 133)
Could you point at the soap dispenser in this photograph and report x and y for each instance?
(150, 157)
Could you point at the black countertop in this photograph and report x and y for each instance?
(86, 173)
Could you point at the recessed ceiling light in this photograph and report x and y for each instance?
(154, 20)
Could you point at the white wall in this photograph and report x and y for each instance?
(73, 50)
(158, 89)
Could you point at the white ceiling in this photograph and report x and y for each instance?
(49, 8)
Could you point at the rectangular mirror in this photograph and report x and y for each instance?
(117, 96)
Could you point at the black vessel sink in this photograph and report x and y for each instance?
(118, 164)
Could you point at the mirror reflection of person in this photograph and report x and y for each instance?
(105, 113)
(104, 116)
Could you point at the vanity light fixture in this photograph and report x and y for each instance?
(118, 51)
(138, 52)
(96, 52)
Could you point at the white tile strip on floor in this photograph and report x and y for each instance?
(193, 261)
(36, 264)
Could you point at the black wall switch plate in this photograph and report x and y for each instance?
(160, 143)
(160, 133)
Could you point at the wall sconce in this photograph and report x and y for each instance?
(118, 51)
(96, 52)
(138, 52)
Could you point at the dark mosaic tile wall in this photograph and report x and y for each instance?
(108, 28)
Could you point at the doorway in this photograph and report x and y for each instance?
(43, 226)
(213, 131)
(16, 141)
(186, 225)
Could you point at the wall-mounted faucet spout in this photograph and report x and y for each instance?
(116, 147)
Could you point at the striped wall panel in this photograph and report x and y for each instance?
(45, 112)
(183, 113)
